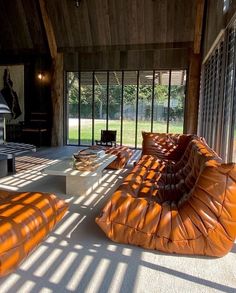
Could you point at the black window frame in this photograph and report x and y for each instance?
(122, 103)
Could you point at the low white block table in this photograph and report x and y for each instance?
(79, 182)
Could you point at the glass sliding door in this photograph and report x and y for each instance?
(177, 100)
(126, 101)
(129, 108)
(160, 105)
(72, 81)
(145, 94)
(100, 103)
(115, 101)
(86, 108)
(217, 114)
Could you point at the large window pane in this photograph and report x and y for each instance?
(114, 109)
(129, 111)
(100, 103)
(72, 107)
(177, 99)
(160, 108)
(86, 110)
(129, 102)
(217, 106)
(144, 104)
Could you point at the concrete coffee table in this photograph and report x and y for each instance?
(80, 182)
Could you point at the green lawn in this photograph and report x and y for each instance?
(128, 130)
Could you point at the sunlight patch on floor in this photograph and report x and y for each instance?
(45, 266)
(79, 273)
(98, 276)
(63, 268)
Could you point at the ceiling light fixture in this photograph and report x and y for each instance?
(41, 75)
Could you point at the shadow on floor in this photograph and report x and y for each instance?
(77, 256)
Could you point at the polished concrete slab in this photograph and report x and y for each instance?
(77, 257)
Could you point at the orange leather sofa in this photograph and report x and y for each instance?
(185, 205)
(26, 218)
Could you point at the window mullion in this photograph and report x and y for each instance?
(79, 109)
(136, 121)
(153, 87)
(122, 107)
(107, 110)
(168, 107)
(93, 110)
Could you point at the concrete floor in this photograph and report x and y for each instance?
(77, 257)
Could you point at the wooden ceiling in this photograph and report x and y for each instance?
(125, 24)
(21, 27)
(98, 25)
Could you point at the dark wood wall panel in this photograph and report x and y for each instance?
(37, 93)
(214, 23)
(107, 23)
(21, 27)
(98, 26)
(216, 20)
(128, 60)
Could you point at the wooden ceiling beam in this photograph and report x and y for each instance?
(194, 73)
(49, 29)
(139, 47)
(198, 26)
(57, 93)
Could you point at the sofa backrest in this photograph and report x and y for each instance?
(198, 156)
(196, 144)
(178, 181)
(165, 145)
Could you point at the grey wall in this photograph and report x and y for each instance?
(214, 23)
(216, 20)
(128, 60)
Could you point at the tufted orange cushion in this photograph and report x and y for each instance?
(189, 208)
(165, 146)
(26, 218)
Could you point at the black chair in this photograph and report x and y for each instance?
(108, 138)
(35, 128)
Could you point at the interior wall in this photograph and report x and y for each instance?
(35, 93)
(214, 23)
(128, 60)
(38, 92)
(17, 77)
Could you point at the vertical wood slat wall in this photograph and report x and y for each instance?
(217, 105)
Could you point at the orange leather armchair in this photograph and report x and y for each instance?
(26, 219)
(185, 207)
